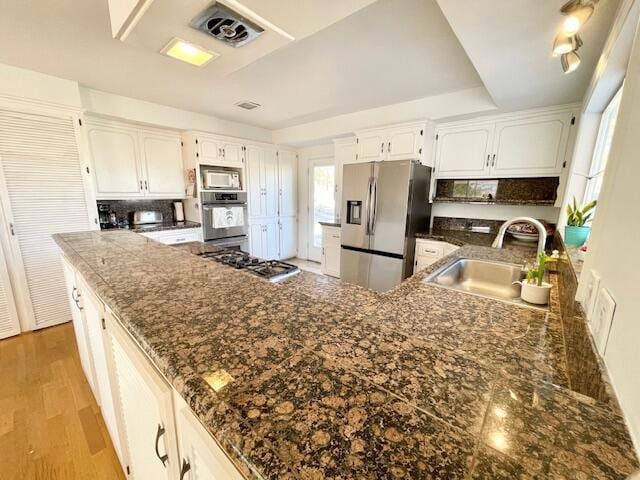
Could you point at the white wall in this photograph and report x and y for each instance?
(119, 107)
(305, 155)
(613, 248)
(26, 84)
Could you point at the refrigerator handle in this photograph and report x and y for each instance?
(374, 206)
(368, 208)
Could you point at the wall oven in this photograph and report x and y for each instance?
(224, 216)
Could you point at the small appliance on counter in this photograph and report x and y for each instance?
(178, 210)
(141, 218)
(272, 270)
(107, 217)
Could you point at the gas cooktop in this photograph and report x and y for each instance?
(272, 270)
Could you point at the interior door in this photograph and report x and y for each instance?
(322, 207)
(164, 175)
(255, 176)
(287, 183)
(356, 189)
(464, 152)
(390, 193)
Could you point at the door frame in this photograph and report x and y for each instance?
(315, 253)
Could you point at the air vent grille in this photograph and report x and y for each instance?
(248, 105)
(225, 25)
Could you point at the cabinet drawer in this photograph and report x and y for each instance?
(429, 249)
(172, 237)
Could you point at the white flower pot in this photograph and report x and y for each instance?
(532, 293)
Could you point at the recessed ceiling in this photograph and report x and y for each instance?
(387, 52)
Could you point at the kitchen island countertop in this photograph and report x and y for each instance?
(331, 380)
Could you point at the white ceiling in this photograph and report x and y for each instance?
(509, 42)
(388, 52)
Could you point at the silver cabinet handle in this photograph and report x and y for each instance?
(180, 239)
(184, 469)
(13, 233)
(224, 153)
(163, 458)
(382, 147)
(488, 157)
(140, 184)
(146, 187)
(389, 148)
(493, 160)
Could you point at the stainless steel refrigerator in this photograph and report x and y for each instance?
(384, 204)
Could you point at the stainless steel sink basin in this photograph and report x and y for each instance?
(480, 277)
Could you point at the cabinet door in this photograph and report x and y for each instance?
(287, 236)
(287, 183)
(271, 239)
(232, 154)
(145, 409)
(256, 231)
(163, 165)
(79, 325)
(200, 456)
(331, 251)
(255, 183)
(464, 151)
(270, 183)
(210, 151)
(94, 315)
(531, 146)
(372, 147)
(116, 162)
(405, 144)
(423, 261)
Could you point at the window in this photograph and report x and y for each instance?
(602, 148)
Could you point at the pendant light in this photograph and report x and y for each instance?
(570, 61)
(578, 13)
(566, 43)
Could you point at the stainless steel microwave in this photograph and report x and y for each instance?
(221, 180)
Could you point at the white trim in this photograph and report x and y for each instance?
(39, 107)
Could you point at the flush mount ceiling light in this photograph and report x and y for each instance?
(578, 13)
(566, 43)
(247, 105)
(570, 61)
(188, 52)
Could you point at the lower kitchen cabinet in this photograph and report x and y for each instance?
(330, 261)
(174, 237)
(287, 228)
(430, 251)
(145, 407)
(200, 456)
(264, 241)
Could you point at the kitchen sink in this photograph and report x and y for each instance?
(480, 277)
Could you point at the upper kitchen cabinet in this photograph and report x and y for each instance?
(262, 180)
(287, 181)
(397, 142)
(526, 144)
(215, 150)
(464, 151)
(132, 162)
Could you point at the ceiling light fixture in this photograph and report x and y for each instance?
(247, 105)
(570, 61)
(566, 43)
(578, 13)
(188, 52)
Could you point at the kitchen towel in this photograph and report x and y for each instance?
(225, 217)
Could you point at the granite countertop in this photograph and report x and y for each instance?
(328, 380)
(157, 227)
(480, 239)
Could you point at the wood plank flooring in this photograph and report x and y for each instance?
(50, 425)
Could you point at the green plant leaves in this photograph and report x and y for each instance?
(577, 217)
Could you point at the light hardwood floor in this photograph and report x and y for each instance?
(50, 424)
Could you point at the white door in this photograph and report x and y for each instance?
(372, 147)
(9, 323)
(331, 252)
(256, 231)
(94, 318)
(200, 456)
(210, 152)
(271, 239)
(164, 174)
(79, 327)
(405, 143)
(288, 237)
(270, 183)
(42, 192)
(464, 151)
(288, 181)
(322, 206)
(116, 161)
(232, 154)
(145, 408)
(531, 146)
(255, 182)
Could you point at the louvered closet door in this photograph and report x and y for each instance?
(42, 194)
(9, 324)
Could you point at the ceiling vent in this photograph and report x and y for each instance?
(248, 105)
(224, 24)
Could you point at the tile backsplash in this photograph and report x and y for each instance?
(515, 190)
(123, 208)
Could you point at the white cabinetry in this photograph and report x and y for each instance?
(430, 251)
(9, 323)
(398, 142)
(330, 261)
(287, 228)
(287, 181)
(262, 175)
(131, 162)
(174, 237)
(527, 144)
(264, 241)
(146, 411)
(215, 150)
(200, 456)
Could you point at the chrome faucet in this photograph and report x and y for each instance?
(542, 239)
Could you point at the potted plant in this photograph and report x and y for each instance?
(534, 288)
(576, 232)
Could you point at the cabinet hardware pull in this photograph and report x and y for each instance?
(73, 296)
(140, 184)
(184, 469)
(165, 457)
(146, 187)
(13, 233)
(493, 160)
(488, 157)
(224, 152)
(180, 239)
(389, 148)
(382, 147)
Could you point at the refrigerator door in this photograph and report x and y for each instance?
(354, 267)
(356, 193)
(385, 272)
(390, 197)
